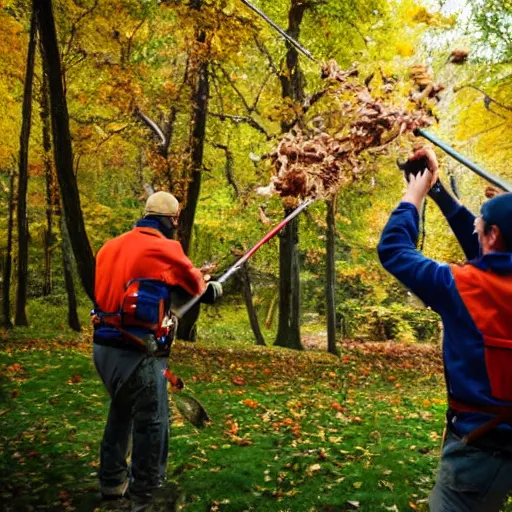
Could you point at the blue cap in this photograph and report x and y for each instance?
(498, 212)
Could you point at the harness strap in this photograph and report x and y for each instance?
(97, 321)
(502, 414)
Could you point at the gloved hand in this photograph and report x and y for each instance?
(213, 292)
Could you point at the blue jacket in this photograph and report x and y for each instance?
(463, 297)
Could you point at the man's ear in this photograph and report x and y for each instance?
(495, 239)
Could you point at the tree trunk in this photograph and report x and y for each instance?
(288, 331)
(270, 313)
(292, 86)
(62, 147)
(7, 322)
(21, 294)
(197, 140)
(330, 276)
(249, 304)
(47, 147)
(197, 150)
(67, 263)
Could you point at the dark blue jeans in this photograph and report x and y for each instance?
(470, 479)
(137, 424)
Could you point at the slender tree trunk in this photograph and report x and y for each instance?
(271, 310)
(67, 263)
(200, 102)
(249, 304)
(330, 275)
(7, 322)
(21, 295)
(288, 331)
(292, 86)
(47, 147)
(62, 147)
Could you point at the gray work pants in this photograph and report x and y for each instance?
(137, 424)
(471, 479)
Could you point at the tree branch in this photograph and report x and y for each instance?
(242, 119)
(263, 49)
(260, 92)
(487, 99)
(229, 168)
(151, 125)
(74, 28)
(130, 38)
(235, 88)
(306, 106)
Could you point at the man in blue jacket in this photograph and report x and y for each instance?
(475, 303)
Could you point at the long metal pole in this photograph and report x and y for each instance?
(289, 38)
(464, 161)
(234, 268)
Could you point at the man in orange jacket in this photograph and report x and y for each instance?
(137, 275)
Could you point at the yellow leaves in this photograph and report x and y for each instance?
(405, 49)
(312, 469)
(420, 14)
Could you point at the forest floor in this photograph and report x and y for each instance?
(290, 431)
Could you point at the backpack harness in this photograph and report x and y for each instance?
(484, 294)
(145, 305)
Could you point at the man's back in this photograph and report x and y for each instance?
(142, 253)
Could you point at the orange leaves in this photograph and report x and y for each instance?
(238, 380)
(233, 428)
(250, 403)
(288, 424)
(232, 433)
(338, 407)
(75, 379)
(15, 368)
(16, 372)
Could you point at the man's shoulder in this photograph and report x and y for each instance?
(115, 242)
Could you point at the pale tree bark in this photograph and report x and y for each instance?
(21, 293)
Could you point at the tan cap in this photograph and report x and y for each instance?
(162, 203)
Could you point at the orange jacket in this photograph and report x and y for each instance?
(142, 253)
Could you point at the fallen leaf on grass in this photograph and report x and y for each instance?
(250, 403)
(311, 469)
(15, 368)
(75, 379)
(338, 407)
(238, 381)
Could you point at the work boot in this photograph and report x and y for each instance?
(114, 493)
(166, 499)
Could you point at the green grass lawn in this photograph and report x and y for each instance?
(290, 431)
